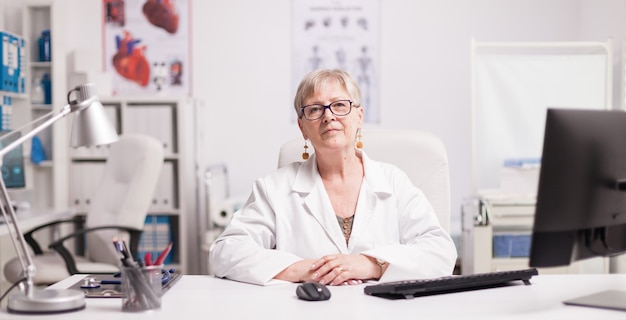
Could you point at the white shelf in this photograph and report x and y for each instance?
(48, 180)
(160, 117)
(42, 107)
(44, 164)
(14, 95)
(41, 64)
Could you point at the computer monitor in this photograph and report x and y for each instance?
(581, 198)
(12, 162)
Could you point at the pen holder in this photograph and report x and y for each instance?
(141, 288)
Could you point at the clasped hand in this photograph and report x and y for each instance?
(336, 269)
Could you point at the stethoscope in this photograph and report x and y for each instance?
(93, 283)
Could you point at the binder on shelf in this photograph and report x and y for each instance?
(86, 186)
(135, 120)
(511, 245)
(21, 84)
(163, 128)
(154, 120)
(76, 187)
(10, 61)
(5, 62)
(84, 183)
(157, 235)
(6, 111)
(163, 199)
(96, 170)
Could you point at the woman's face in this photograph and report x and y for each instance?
(331, 133)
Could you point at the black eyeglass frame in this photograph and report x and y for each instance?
(324, 107)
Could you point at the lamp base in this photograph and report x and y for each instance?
(47, 301)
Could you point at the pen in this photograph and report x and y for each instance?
(123, 250)
(126, 251)
(147, 259)
(164, 253)
(118, 246)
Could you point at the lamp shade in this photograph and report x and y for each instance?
(91, 124)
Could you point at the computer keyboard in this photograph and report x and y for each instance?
(414, 288)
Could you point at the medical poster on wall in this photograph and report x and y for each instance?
(146, 46)
(339, 34)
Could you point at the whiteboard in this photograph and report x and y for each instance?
(511, 94)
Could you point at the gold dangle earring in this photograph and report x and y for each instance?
(305, 154)
(359, 143)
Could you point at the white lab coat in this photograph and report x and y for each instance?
(289, 217)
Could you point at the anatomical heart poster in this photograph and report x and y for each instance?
(146, 46)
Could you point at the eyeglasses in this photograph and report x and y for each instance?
(316, 111)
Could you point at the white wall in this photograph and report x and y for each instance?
(242, 69)
(244, 53)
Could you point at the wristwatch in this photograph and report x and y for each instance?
(381, 264)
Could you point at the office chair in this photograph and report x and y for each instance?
(118, 209)
(421, 155)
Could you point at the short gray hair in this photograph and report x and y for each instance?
(313, 81)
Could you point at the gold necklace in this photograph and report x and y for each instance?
(346, 226)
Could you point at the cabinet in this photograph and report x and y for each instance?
(161, 118)
(496, 232)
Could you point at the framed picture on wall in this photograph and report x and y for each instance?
(147, 46)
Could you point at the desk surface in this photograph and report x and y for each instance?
(206, 297)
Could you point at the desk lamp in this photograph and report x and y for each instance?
(91, 127)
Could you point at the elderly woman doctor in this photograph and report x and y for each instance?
(339, 217)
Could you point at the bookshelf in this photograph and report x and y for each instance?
(161, 118)
(46, 180)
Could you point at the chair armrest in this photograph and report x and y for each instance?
(70, 263)
(28, 236)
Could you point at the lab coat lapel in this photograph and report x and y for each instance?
(309, 184)
(373, 189)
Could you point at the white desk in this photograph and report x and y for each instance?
(206, 297)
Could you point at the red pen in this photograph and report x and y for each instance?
(164, 253)
(147, 259)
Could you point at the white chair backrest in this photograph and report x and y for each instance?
(125, 191)
(421, 155)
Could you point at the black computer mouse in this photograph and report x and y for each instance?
(313, 291)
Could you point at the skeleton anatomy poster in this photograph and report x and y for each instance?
(339, 34)
(146, 46)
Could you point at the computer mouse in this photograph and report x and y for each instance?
(313, 291)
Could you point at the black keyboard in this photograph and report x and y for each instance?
(414, 288)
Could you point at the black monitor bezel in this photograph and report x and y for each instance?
(580, 210)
